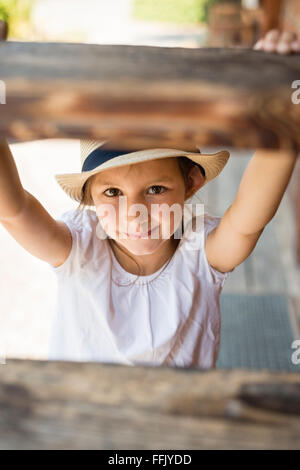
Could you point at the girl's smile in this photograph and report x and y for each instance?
(136, 236)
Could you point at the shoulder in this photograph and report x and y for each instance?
(210, 222)
(202, 224)
(87, 234)
(79, 219)
(197, 231)
(84, 226)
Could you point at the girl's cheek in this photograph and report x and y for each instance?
(107, 215)
(167, 226)
(111, 222)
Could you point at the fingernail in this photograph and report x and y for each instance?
(270, 46)
(258, 45)
(272, 35)
(295, 46)
(283, 48)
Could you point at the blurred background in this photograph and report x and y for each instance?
(27, 285)
(191, 23)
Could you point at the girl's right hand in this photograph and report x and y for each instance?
(281, 42)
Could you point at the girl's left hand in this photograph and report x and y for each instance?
(280, 42)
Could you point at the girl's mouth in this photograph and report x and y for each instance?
(136, 236)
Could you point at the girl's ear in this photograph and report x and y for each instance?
(195, 180)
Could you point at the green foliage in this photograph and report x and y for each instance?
(178, 11)
(173, 11)
(17, 14)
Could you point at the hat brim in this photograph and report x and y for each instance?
(212, 163)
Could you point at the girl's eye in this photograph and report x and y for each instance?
(113, 190)
(157, 189)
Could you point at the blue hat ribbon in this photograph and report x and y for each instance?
(99, 156)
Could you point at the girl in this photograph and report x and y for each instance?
(129, 293)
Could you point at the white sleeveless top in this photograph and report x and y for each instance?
(167, 319)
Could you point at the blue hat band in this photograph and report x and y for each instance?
(98, 156)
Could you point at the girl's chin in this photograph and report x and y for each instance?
(141, 246)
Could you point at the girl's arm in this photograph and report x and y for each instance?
(12, 193)
(283, 43)
(27, 221)
(260, 192)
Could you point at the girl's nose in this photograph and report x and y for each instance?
(134, 215)
(138, 223)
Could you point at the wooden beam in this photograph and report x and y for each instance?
(140, 97)
(65, 405)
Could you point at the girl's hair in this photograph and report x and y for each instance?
(185, 165)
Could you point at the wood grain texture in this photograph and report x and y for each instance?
(66, 405)
(141, 96)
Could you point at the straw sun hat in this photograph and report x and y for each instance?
(94, 160)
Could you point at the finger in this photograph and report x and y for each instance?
(288, 36)
(270, 46)
(273, 35)
(271, 40)
(259, 45)
(296, 46)
(284, 48)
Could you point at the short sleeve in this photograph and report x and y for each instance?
(218, 277)
(81, 224)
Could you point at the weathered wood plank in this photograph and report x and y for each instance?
(140, 96)
(89, 405)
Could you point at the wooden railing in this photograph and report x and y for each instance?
(64, 405)
(139, 97)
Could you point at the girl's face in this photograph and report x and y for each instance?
(127, 199)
